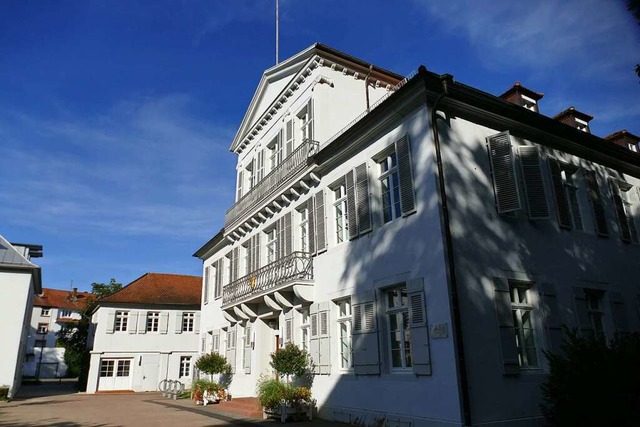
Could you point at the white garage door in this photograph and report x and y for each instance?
(115, 374)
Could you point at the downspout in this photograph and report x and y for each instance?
(453, 285)
(366, 85)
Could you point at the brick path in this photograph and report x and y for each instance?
(51, 405)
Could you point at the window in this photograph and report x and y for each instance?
(344, 332)
(185, 366)
(188, 322)
(153, 321)
(65, 313)
(566, 194)
(106, 368)
(305, 118)
(259, 168)
(398, 326)
(40, 343)
(390, 187)
(231, 339)
(595, 312)
(522, 312)
(246, 251)
(622, 203)
(43, 328)
(44, 312)
(304, 328)
(303, 227)
(124, 367)
(122, 318)
(597, 204)
(275, 153)
(340, 209)
(272, 245)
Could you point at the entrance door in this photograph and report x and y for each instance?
(115, 374)
(150, 363)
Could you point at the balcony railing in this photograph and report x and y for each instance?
(270, 184)
(297, 266)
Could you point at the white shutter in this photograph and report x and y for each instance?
(111, 321)
(320, 234)
(618, 204)
(533, 183)
(205, 291)
(418, 330)
(552, 317)
(314, 338)
(363, 205)
(510, 362)
(142, 322)
(352, 216)
(504, 176)
(196, 322)
(562, 203)
(132, 324)
(596, 204)
(178, 322)
(405, 172)
(164, 322)
(365, 349)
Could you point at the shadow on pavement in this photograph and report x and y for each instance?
(45, 388)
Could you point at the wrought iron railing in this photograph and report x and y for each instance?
(291, 166)
(296, 266)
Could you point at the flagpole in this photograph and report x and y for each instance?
(277, 32)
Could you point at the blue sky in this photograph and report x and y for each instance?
(116, 116)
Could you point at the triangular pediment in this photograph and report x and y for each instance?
(10, 256)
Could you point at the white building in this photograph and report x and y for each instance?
(424, 240)
(52, 309)
(145, 333)
(20, 280)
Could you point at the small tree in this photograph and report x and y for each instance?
(592, 383)
(290, 360)
(212, 363)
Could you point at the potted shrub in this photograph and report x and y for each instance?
(210, 391)
(284, 399)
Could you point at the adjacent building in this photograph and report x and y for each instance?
(425, 241)
(52, 310)
(145, 333)
(20, 280)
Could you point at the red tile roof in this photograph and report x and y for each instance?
(159, 288)
(61, 299)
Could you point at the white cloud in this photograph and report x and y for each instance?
(146, 167)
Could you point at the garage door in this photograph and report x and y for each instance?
(115, 374)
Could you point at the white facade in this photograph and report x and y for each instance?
(19, 281)
(153, 343)
(354, 252)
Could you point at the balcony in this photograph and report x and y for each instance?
(287, 171)
(294, 269)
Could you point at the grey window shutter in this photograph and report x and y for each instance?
(111, 321)
(280, 237)
(623, 224)
(240, 184)
(533, 183)
(289, 137)
(196, 322)
(219, 278)
(366, 357)
(582, 312)
(505, 185)
(142, 322)
(320, 235)
(596, 203)
(288, 238)
(352, 218)
(205, 291)
(407, 195)
(562, 204)
(288, 330)
(552, 319)
(312, 230)
(510, 362)
(235, 261)
(418, 328)
(231, 348)
(363, 204)
(178, 322)
(314, 338)
(247, 349)
(132, 324)
(310, 126)
(619, 312)
(164, 322)
(324, 338)
(257, 253)
(215, 341)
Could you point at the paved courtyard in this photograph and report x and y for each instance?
(59, 405)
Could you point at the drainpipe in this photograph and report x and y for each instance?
(366, 85)
(453, 285)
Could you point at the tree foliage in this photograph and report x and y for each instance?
(75, 337)
(633, 6)
(594, 384)
(213, 363)
(290, 360)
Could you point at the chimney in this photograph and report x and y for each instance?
(625, 139)
(575, 118)
(523, 97)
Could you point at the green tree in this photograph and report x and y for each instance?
(290, 360)
(74, 338)
(633, 6)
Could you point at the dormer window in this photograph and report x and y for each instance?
(529, 103)
(582, 125)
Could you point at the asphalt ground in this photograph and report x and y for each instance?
(57, 404)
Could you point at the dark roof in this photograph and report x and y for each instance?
(210, 244)
(61, 299)
(571, 111)
(517, 87)
(624, 135)
(159, 289)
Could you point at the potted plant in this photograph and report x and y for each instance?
(283, 399)
(209, 391)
